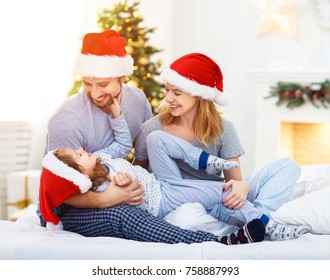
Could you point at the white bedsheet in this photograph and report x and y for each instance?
(25, 239)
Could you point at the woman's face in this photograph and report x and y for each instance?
(86, 160)
(180, 102)
(102, 90)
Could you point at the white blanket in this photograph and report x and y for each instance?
(27, 240)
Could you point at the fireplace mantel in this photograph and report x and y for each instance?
(268, 116)
(287, 75)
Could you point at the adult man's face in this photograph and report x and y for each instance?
(102, 90)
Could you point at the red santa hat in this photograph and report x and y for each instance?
(103, 55)
(198, 75)
(58, 182)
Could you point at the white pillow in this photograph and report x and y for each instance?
(312, 178)
(193, 216)
(311, 209)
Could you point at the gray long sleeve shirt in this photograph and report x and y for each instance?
(79, 123)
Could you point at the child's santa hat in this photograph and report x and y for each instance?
(58, 182)
(198, 75)
(103, 55)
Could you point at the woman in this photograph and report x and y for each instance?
(193, 93)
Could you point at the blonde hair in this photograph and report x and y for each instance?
(100, 173)
(208, 126)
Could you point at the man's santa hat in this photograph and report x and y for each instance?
(58, 182)
(198, 75)
(103, 55)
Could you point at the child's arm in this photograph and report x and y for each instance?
(122, 144)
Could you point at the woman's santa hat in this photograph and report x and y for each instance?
(58, 182)
(198, 75)
(103, 55)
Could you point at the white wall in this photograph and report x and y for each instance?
(40, 39)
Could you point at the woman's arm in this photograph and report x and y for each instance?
(131, 194)
(233, 174)
(239, 188)
(142, 163)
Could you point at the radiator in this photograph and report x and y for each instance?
(15, 142)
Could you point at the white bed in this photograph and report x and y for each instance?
(26, 239)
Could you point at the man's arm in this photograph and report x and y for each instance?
(131, 194)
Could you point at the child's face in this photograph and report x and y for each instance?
(83, 158)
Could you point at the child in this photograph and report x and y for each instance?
(164, 189)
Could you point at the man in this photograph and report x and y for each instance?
(87, 119)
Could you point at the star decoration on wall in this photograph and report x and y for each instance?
(276, 14)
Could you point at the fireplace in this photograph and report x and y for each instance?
(306, 143)
(301, 133)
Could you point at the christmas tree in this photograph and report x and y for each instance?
(127, 21)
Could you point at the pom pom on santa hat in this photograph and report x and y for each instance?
(198, 75)
(103, 55)
(58, 182)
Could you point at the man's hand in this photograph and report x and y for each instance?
(131, 194)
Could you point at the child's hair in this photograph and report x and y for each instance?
(99, 176)
(208, 125)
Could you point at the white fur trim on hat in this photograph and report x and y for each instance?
(195, 89)
(59, 168)
(222, 99)
(52, 227)
(88, 65)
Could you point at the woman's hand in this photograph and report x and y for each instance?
(237, 197)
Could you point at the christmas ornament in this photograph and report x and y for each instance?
(294, 95)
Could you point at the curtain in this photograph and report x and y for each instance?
(40, 39)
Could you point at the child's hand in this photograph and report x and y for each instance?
(122, 179)
(115, 108)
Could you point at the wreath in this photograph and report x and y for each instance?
(294, 95)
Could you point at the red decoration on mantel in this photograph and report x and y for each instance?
(294, 95)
